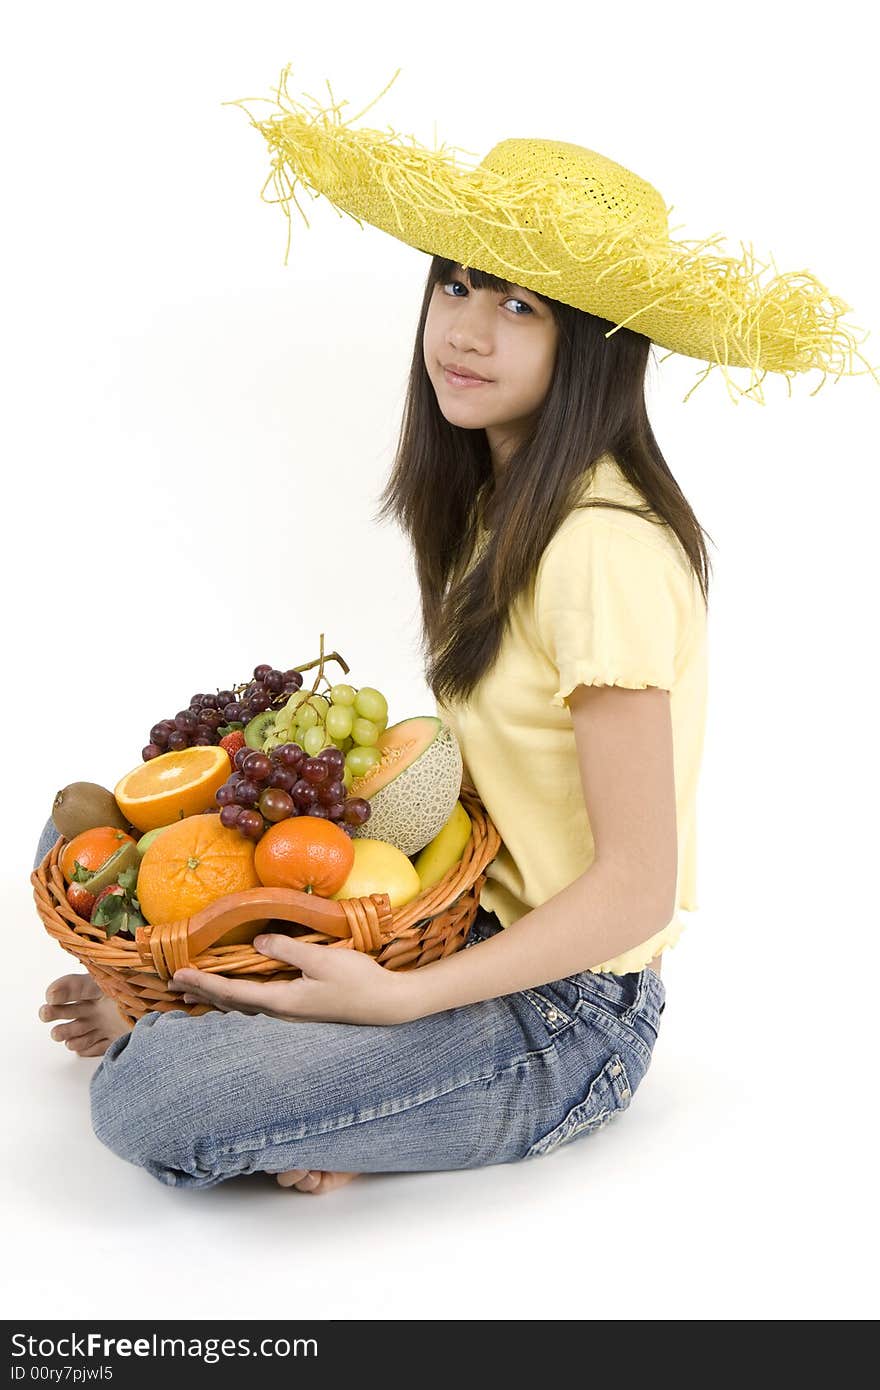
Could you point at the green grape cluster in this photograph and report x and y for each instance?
(348, 719)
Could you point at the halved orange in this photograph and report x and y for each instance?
(175, 784)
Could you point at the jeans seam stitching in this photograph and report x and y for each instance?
(630, 1036)
(614, 1085)
(564, 1014)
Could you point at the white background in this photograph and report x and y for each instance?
(195, 443)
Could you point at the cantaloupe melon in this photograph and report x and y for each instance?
(413, 789)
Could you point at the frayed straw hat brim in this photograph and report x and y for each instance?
(546, 235)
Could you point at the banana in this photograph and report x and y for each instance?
(438, 856)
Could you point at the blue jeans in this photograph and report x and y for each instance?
(198, 1100)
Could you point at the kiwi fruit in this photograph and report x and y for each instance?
(126, 857)
(260, 730)
(83, 806)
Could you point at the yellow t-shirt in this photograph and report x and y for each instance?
(614, 602)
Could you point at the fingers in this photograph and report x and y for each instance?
(203, 999)
(199, 985)
(246, 996)
(237, 1007)
(206, 999)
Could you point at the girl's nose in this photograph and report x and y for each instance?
(464, 340)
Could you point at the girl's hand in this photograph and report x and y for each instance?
(337, 986)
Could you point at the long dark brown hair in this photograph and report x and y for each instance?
(442, 478)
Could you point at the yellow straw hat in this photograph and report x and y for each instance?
(571, 224)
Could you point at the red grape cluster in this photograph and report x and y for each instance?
(210, 717)
(269, 787)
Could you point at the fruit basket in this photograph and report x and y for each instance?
(323, 808)
(135, 973)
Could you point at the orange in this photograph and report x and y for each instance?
(304, 852)
(192, 864)
(92, 849)
(176, 784)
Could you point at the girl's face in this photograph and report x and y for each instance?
(510, 339)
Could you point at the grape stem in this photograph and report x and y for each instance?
(320, 662)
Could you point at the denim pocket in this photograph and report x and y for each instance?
(616, 994)
(555, 1010)
(609, 1093)
(623, 1007)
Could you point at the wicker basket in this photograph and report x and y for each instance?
(134, 973)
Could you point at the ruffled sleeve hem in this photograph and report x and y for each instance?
(638, 956)
(584, 673)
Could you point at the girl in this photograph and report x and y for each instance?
(526, 1048)
(563, 581)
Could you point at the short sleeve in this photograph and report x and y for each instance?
(610, 608)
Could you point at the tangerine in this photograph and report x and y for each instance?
(172, 786)
(192, 864)
(92, 849)
(304, 852)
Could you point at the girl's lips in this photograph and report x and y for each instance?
(455, 380)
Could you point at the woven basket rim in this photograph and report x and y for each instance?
(417, 932)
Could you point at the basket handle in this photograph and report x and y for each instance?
(170, 946)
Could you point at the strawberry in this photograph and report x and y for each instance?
(115, 889)
(232, 742)
(81, 900)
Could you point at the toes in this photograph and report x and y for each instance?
(75, 1011)
(83, 1041)
(77, 1029)
(310, 1183)
(328, 1181)
(97, 1049)
(288, 1179)
(313, 1182)
(70, 988)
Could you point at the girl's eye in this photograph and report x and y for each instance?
(463, 286)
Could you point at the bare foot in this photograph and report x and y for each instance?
(316, 1183)
(95, 1019)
